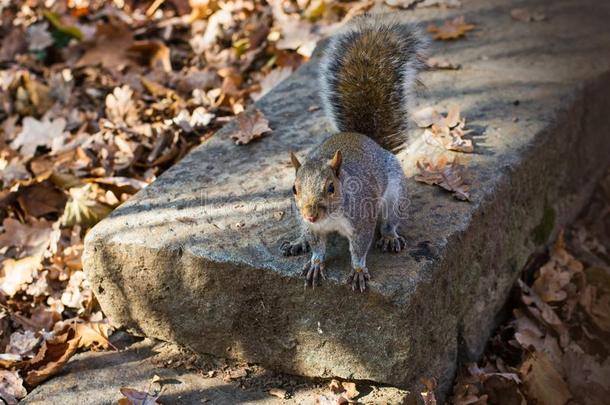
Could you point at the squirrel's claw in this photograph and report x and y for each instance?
(295, 248)
(313, 270)
(391, 243)
(358, 278)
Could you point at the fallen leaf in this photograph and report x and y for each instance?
(11, 387)
(252, 125)
(30, 239)
(35, 133)
(425, 117)
(274, 77)
(442, 64)
(38, 37)
(587, 378)
(154, 54)
(41, 199)
(17, 274)
(110, 46)
(279, 393)
(137, 397)
(428, 393)
(350, 390)
(296, 34)
(527, 15)
(51, 357)
(120, 107)
(450, 29)
(236, 373)
(83, 208)
(445, 175)
(12, 171)
(597, 305)
(542, 381)
(23, 344)
(93, 335)
(445, 131)
(544, 312)
(198, 119)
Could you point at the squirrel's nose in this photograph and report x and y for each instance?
(311, 218)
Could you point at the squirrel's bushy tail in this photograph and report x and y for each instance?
(367, 77)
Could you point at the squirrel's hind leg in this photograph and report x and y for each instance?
(393, 210)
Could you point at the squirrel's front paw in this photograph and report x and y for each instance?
(295, 248)
(313, 270)
(391, 243)
(358, 278)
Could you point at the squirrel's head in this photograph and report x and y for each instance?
(317, 189)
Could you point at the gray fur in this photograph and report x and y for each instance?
(371, 183)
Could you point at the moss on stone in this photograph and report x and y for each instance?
(542, 232)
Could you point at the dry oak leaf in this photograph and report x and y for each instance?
(442, 64)
(41, 199)
(544, 313)
(527, 15)
(252, 125)
(428, 394)
(136, 397)
(38, 37)
(445, 175)
(297, 34)
(12, 171)
(446, 132)
(543, 383)
(51, 357)
(120, 107)
(597, 306)
(588, 380)
(110, 46)
(23, 343)
(11, 387)
(94, 335)
(155, 54)
(30, 239)
(49, 133)
(279, 393)
(83, 207)
(17, 274)
(451, 29)
(275, 77)
(344, 388)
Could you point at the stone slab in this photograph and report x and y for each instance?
(194, 258)
(96, 379)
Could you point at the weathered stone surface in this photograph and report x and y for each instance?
(194, 258)
(96, 379)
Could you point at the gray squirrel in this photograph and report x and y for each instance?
(353, 179)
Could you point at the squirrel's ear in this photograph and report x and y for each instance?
(295, 161)
(335, 162)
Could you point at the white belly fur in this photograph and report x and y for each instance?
(335, 223)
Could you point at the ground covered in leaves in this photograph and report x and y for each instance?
(98, 98)
(554, 348)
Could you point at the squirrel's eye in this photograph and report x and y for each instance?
(331, 188)
(294, 189)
